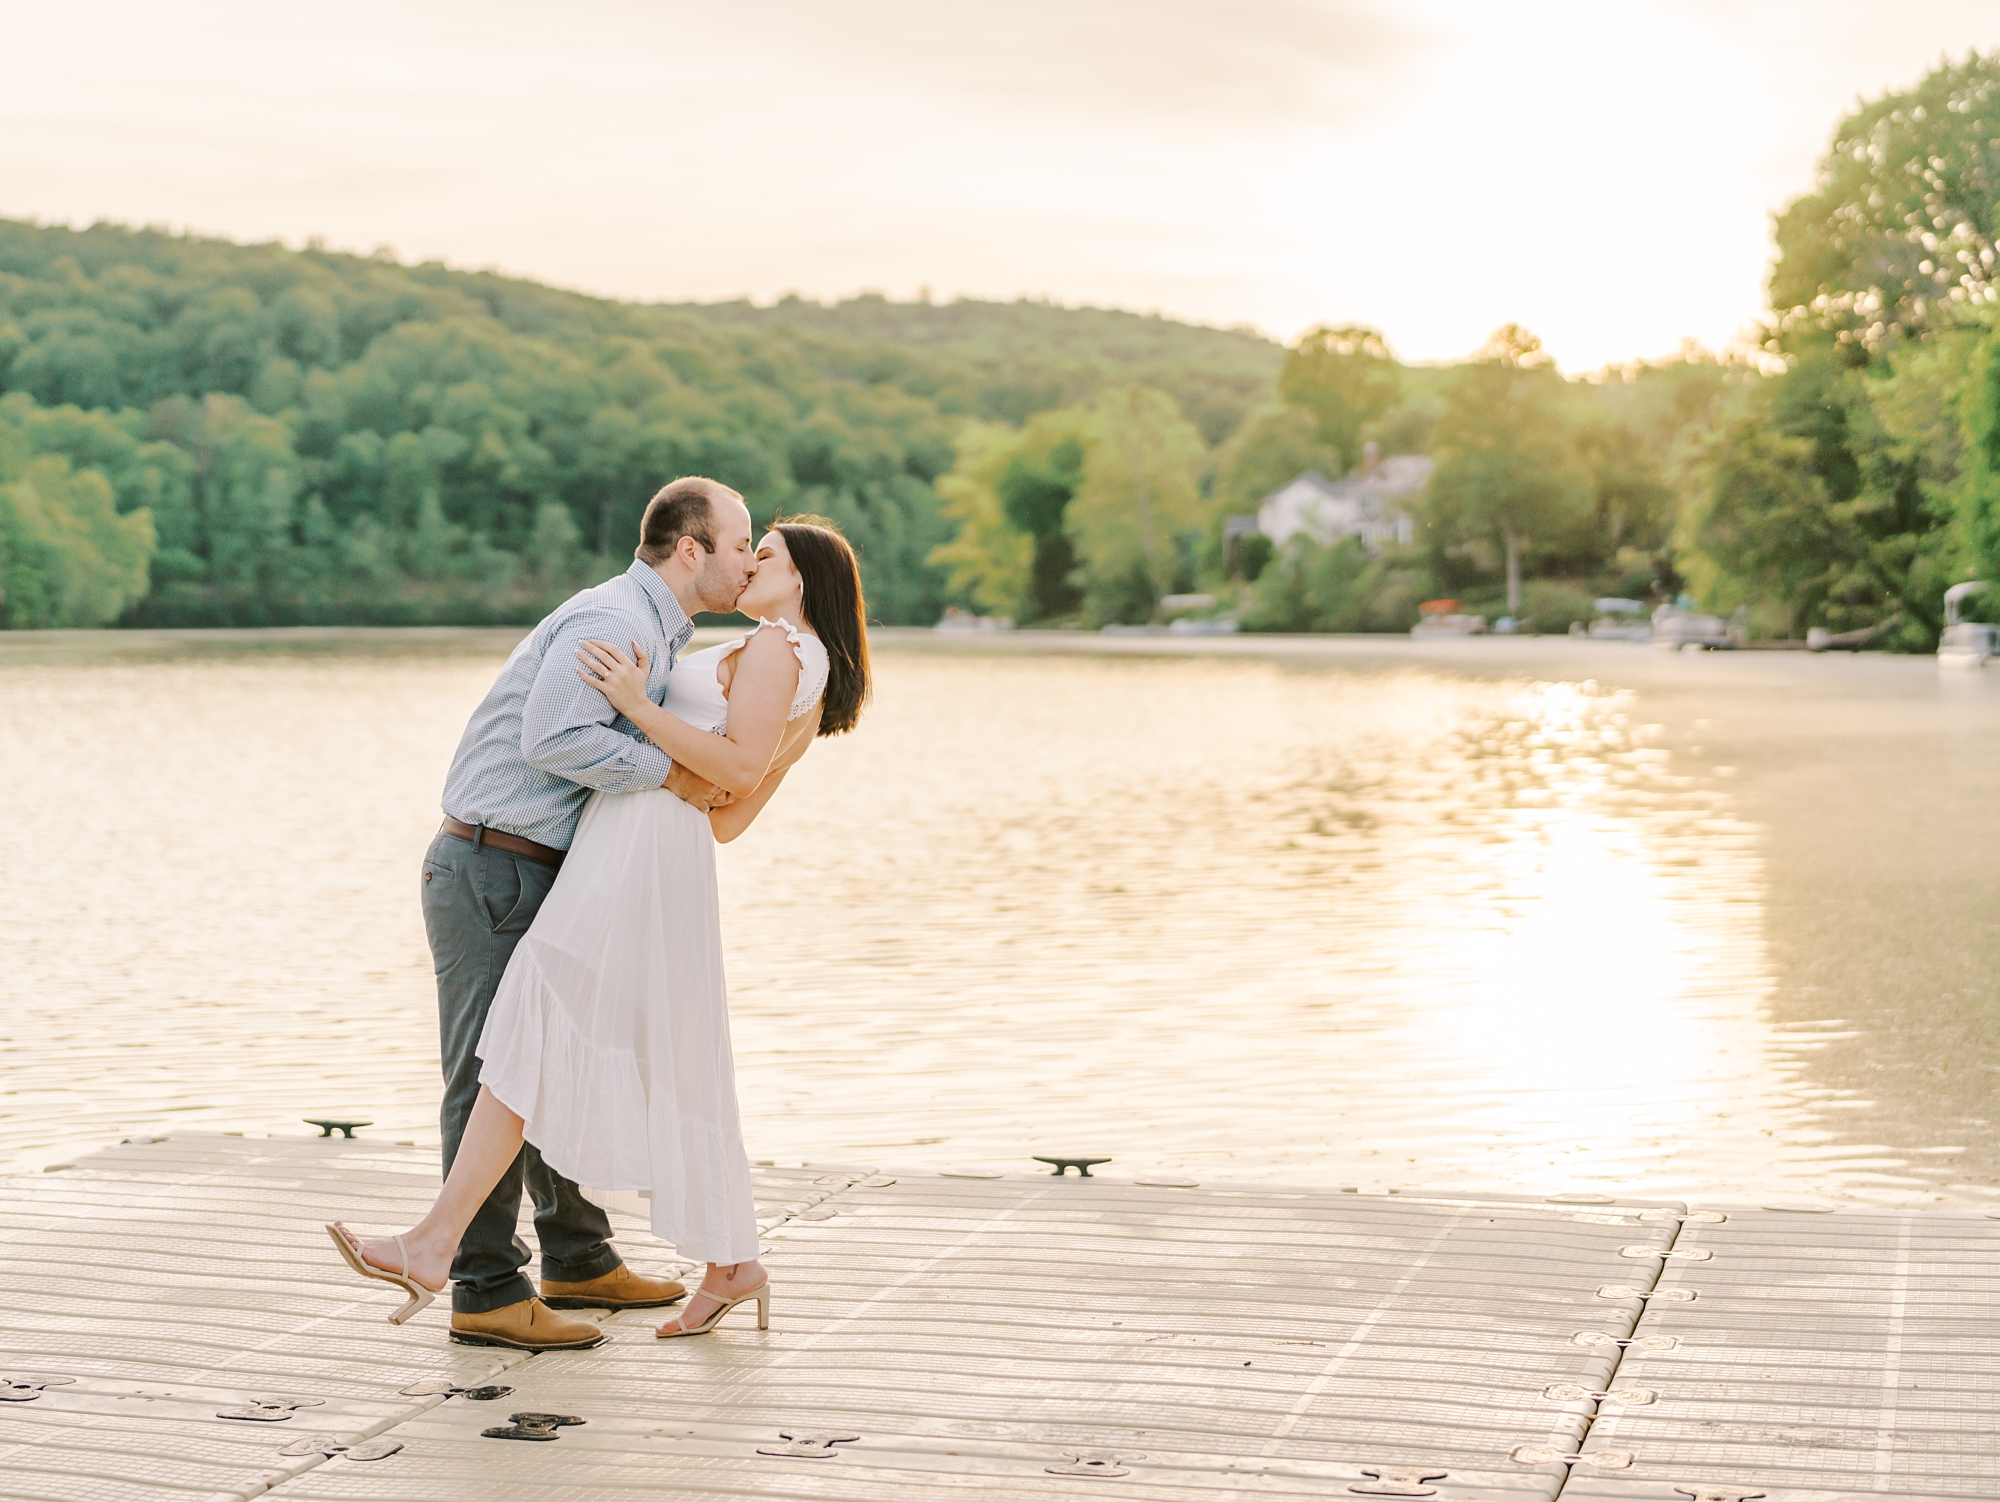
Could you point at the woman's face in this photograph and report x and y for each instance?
(776, 587)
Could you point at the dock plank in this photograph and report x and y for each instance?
(170, 1281)
(1832, 1356)
(973, 1334)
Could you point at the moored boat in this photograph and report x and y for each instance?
(1675, 627)
(1443, 618)
(1620, 620)
(1966, 644)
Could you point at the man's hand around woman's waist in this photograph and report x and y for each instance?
(692, 787)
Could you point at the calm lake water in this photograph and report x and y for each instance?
(1533, 916)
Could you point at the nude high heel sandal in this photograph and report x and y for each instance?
(420, 1296)
(761, 1293)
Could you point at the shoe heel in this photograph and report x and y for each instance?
(419, 1296)
(419, 1302)
(764, 1307)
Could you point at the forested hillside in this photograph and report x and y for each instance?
(195, 432)
(318, 437)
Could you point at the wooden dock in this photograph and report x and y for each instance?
(177, 1327)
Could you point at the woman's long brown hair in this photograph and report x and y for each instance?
(834, 606)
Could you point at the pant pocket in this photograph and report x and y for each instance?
(497, 884)
(440, 894)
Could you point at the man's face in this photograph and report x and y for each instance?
(726, 571)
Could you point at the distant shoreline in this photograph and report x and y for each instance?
(1563, 657)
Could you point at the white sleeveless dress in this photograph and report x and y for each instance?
(609, 1033)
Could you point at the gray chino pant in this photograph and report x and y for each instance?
(478, 901)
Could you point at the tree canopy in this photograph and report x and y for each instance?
(325, 437)
(196, 432)
(1343, 379)
(1089, 513)
(1898, 233)
(1851, 487)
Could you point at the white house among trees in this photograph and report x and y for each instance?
(1371, 503)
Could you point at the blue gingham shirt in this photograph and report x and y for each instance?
(542, 740)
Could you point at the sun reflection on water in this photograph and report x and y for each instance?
(1407, 927)
(1392, 927)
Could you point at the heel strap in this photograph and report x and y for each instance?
(726, 1298)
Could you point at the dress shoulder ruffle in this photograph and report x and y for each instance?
(813, 663)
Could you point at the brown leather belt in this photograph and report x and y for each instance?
(548, 855)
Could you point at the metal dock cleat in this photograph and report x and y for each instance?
(807, 1445)
(330, 1446)
(1592, 1339)
(1063, 1165)
(1597, 1460)
(269, 1410)
(328, 1125)
(1099, 1463)
(27, 1389)
(531, 1426)
(442, 1387)
(1401, 1481)
(1573, 1392)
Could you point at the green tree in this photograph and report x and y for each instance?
(1978, 497)
(895, 525)
(1897, 236)
(1631, 506)
(1308, 587)
(1812, 502)
(144, 473)
(1273, 447)
(1139, 511)
(149, 476)
(250, 481)
(1506, 472)
(67, 558)
(991, 561)
(1035, 490)
(1345, 378)
(335, 437)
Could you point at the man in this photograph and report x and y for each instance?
(540, 742)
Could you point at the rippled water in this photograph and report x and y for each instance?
(1531, 916)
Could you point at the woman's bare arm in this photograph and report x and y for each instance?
(760, 696)
(732, 819)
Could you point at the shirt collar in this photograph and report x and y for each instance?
(674, 624)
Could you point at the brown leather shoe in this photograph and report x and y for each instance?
(621, 1288)
(527, 1326)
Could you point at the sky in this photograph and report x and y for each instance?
(1604, 174)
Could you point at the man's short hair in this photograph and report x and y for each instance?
(685, 508)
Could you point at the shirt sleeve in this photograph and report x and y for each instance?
(568, 727)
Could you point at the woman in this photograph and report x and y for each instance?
(607, 1045)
